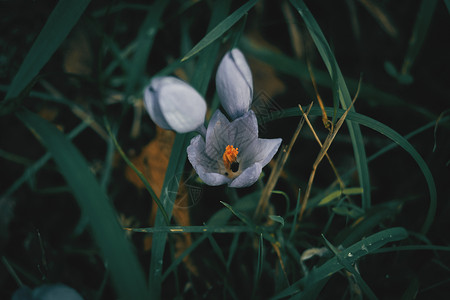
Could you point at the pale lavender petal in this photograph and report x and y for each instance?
(151, 102)
(268, 148)
(216, 139)
(262, 151)
(234, 84)
(174, 104)
(207, 168)
(248, 177)
(213, 179)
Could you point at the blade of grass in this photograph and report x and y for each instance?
(349, 267)
(419, 33)
(220, 29)
(127, 275)
(295, 67)
(259, 264)
(395, 137)
(343, 94)
(350, 255)
(145, 40)
(139, 174)
(40, 163)
(185, 253)
(233, 247)
(60, 22)
(447, 3)
(177, 160)
(198, 229)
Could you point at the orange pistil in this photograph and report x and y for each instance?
(229, 156)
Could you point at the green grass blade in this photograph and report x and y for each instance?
(145, 40)
(391, 134)
(419, 33)
(220, 29)
(349, 267)
(127, 275)
(295, 67)
(186, 252)
(62, 19)
(40, 163)
(259, 264)
(176, 163)
(447, 3)
(196, 229)
(233, 247)
(139, 174)
(350, 255)
(343, 94)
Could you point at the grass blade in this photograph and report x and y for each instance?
(125, 270)
(176, 163)
(220, 29)
(419, 33)
(144, 44)
(350, 255)
(395, 137)
(59, 23)
(343, 95)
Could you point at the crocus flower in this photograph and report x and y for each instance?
(174, 104)
(226, 152)
(231, 152)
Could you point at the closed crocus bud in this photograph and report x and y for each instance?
(173, 104)
(234, 84)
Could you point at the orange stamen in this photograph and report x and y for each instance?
(229, 156)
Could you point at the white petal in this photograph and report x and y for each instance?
(216, 140)
(267, 149)
(174, 104)
(206, 168)
(248, 177)
(234, 84)
(151, 103)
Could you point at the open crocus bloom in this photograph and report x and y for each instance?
(232, 153)
(225, 152)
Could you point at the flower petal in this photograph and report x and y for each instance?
(234, 84)
(168, 99)
(206, 167)
(216, 140)
(262, 151)
(248, 177)
(151, 102)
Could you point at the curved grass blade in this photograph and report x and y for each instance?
(343, 95)
(295, 67)
(139, 174)
(352, 269)
(62, 19)
(350, 255)
(394, 136)
(127, 275)
(220, 29)
(40, 163)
